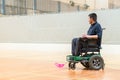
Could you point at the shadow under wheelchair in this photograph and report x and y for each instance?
(85, 74)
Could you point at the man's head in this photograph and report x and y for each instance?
(92, 18)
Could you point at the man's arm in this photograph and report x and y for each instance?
(92, 36)
(98, 33)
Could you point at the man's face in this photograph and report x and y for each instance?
(90, 20)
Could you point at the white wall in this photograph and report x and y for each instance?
(57, 27)
(93, 4)
(101, 4)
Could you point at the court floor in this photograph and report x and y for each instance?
(33, 62)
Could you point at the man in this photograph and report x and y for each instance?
(94, 32)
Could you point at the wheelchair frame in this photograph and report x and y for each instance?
(92, 60)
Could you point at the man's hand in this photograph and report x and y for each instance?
(84, 35)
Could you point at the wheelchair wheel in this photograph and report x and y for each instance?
(85, 64)
(96, 62)
(72, 65)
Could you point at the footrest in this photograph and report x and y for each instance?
(70, 58)
(73, 58)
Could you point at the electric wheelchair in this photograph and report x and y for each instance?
(90, 56)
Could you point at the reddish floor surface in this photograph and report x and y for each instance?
(18, 69)
(15, 65)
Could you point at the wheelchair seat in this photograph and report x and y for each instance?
(91, 46)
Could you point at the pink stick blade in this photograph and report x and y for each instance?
(59, 65)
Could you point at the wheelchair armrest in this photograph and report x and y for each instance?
(92, 43)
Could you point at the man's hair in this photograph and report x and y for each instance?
(93, 16)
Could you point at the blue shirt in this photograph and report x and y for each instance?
(95, 29)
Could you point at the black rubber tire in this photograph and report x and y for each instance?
(85, 64)
(72, 65)
(96, 62)
(69, 65)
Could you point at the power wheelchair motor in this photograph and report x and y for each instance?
(90, 57)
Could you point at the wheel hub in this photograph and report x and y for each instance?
(96, 62)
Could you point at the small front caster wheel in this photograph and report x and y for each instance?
(72, 65)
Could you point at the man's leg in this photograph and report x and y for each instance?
(80, 44)
(74, 45)
(78, 47)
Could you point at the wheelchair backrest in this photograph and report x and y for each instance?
(94, 42)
